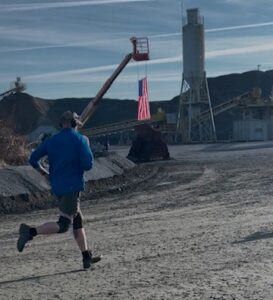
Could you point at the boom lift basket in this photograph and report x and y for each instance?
(140, 48)
(140, 53)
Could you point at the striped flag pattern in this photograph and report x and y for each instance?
(143, 100)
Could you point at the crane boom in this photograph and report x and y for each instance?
(92, 106)
(140, 53)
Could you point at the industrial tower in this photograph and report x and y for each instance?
(194, 96)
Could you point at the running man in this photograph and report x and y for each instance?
(69, 155)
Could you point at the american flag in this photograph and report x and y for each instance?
(143, 100)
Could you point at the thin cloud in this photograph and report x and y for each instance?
(71, 72)
(156, 76)
(64, 45)
(100, 69)
(167, 60)
(240, 50)
(228, 28)
(39, 6)
(32, 34)
(240, 27)
(36, 40)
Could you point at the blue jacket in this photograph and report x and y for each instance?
(69, 155)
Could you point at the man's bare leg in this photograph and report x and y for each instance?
(48, 228)
(88, 258)
(27, 233)
(80, 238)
(51, 227)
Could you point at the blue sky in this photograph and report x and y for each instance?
(66, 48)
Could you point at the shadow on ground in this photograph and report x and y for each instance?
(40, 276)
(237, 146)
(259, 235)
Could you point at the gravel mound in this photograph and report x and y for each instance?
(23, 189)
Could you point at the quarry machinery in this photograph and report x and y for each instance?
(148, 145)
(16, 86)
(154, 148)
(242, 100)
(194, 94)
(119, 127)
(140, 53)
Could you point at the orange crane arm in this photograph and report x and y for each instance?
(140, 53)
(92, 106)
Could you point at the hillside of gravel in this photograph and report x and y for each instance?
(23, 189)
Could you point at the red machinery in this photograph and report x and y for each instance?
(140, 53)
(148, 144)
(140, 48)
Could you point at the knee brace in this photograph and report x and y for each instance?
(64, 224)
(78, 221)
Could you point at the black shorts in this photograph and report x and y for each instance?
(69, 204)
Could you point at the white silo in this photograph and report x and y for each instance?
(193, 49)
(194, 97)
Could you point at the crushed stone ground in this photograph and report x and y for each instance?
(200, 228)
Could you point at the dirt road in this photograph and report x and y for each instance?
(200, 228)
